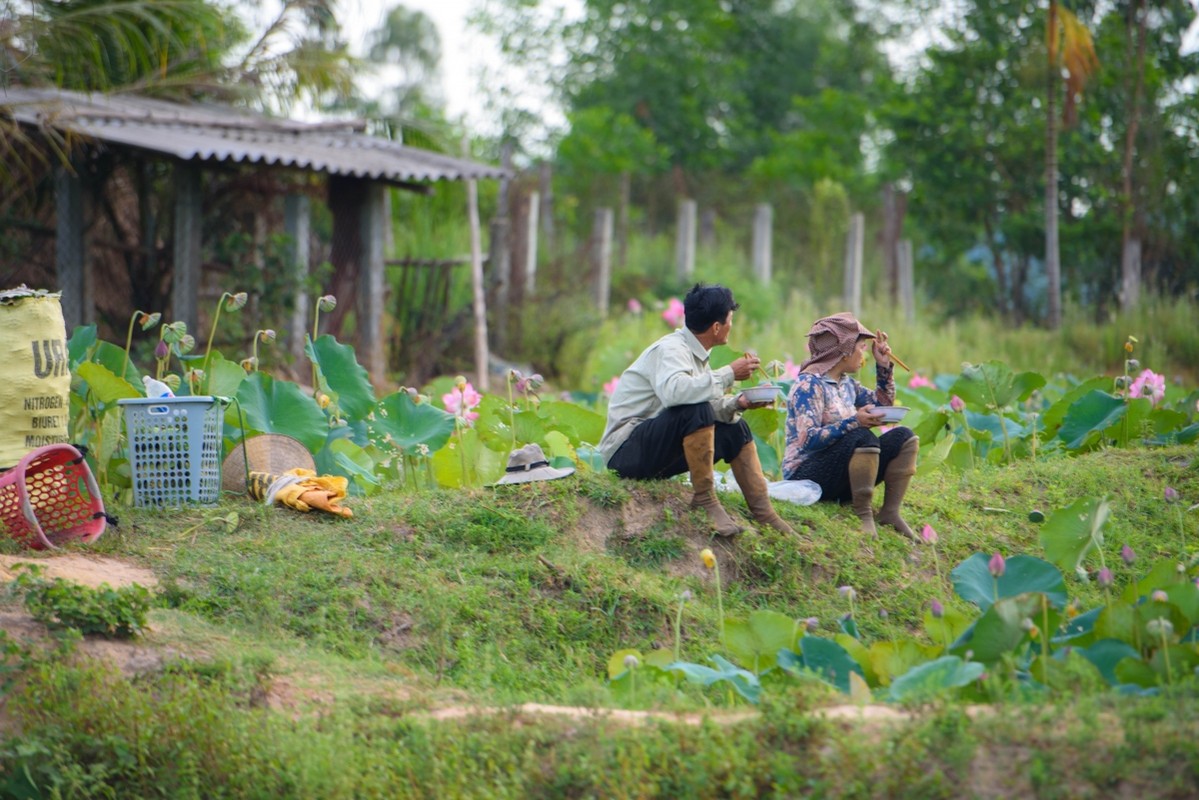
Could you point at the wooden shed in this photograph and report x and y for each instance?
(196, 139)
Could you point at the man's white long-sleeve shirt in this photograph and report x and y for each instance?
(673, 371)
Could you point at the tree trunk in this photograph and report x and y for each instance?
(1053, 265)
(1130, 250)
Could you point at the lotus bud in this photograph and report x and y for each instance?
(327, 303)
(847, 592)
(1160, 627)
(237, 301)
(1128, 555)
(997, 566)
(708, 557)
(1159, 596)
(957, 403)
(812, 624)
(267, 336)
(936, 609)
(148, 321)
(161, 350)
(631, 662)
(634, 305)
(249, 364)
(1133, 364)
(1105, 578)
(928, 535)
(1171, 494)
(685, 596)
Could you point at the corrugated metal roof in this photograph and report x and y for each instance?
(220, 134)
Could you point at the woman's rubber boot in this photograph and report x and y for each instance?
(896, 477)
(863, 472)
(747, 469)
(699, 448)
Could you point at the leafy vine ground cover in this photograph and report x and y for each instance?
(441, 591)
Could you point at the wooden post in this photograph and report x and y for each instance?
(894, 203)
(531, 243)
(500, 262)
(707, 228)
(482, 356)
(546, 190)
(762, 241)
(907, 288)
(1130, 263)
(186, 283)
(601, 238)
(70, 250)
(622, 220)
(854, 240)
(373, 292)
(297, 221)
(685, 240)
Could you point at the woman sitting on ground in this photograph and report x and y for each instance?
(829, 421)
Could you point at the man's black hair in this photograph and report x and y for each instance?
(706, 304)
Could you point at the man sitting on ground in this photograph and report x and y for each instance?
(670, 413)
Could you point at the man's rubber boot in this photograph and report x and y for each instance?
(748, 472)
(699, 448)
(863, 471)
(896, 477)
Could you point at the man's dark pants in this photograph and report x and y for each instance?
(655, 448)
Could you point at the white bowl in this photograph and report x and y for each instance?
(762, 393)
(891, 414)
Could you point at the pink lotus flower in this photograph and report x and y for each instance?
(634, 305)
(674, 313)
(1149, 384)
(610, 386)
(957, 403)
(790, 369)
(1105, 578)
(928, 535)
(461, 402)
(918, 381)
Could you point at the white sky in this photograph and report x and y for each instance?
(463, 54)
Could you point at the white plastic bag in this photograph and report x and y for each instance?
(802, 493)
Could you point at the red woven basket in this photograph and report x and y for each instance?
(50, 498)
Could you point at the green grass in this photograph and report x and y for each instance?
(307, 649)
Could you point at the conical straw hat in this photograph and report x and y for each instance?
(268, 452)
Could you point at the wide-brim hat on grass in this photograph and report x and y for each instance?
(528, 463)
(267, 452)
(831, 339)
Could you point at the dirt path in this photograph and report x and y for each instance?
(87, 570)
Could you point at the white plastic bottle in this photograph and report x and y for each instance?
(156, 388)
